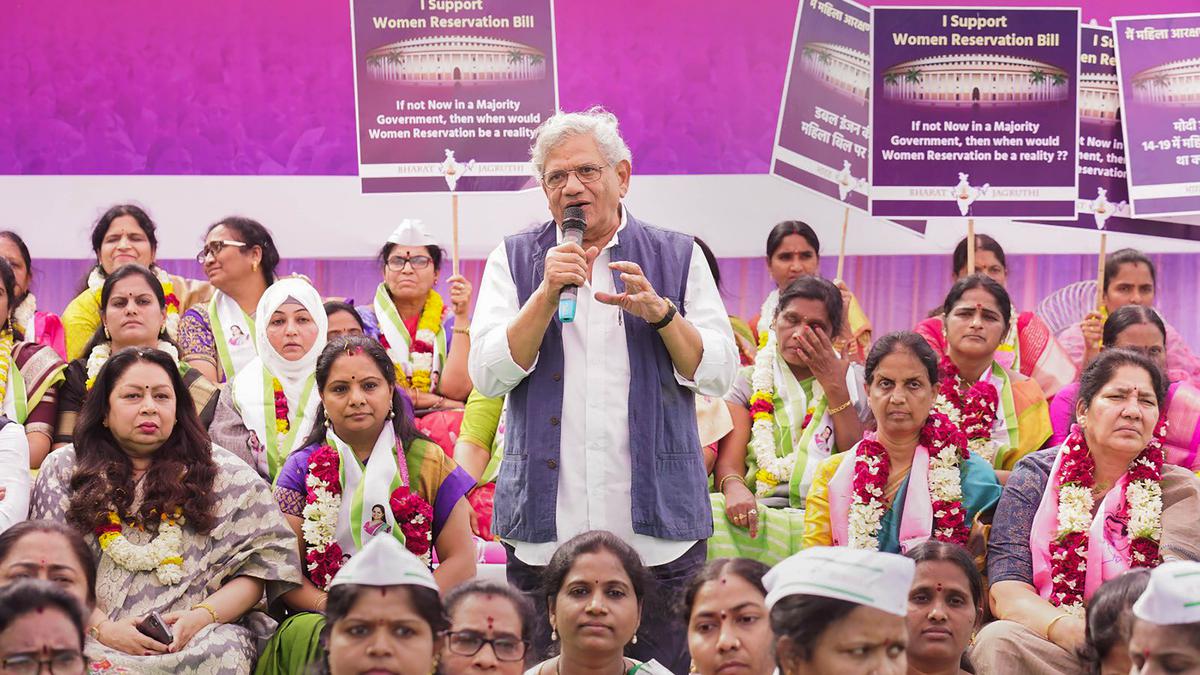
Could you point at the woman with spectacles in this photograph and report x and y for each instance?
(489, 629)
(409, 318)
(125, 234)
(239, 258)
(41, 630)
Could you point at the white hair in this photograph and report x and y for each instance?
(560, 126)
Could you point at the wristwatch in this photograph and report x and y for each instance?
(667, 318)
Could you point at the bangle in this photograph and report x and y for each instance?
(840, 408)
(94, 631)
(732, 476)
(208, 608)
(1052, 622)
(462, 331)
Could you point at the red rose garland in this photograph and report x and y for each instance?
(323, 554)
(973, 410)
(1143, 508)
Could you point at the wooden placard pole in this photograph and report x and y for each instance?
(841, 266)
(454, 231)
(970, 246)
(1100, 272)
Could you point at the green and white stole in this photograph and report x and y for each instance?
(16, 399)
(366, 486)
(1004, 431)
(812, 443)
(235, 350)
(254, 396)
(399, 341)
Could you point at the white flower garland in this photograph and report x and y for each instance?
(320, 518)
(772, 469)
(865, 518)
(101, 353)
(24, 315)
(163, 555)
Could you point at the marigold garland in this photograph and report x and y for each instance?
(163, 555)
(420, 352)
(1143, 507)
(6, 349)
(772, 469)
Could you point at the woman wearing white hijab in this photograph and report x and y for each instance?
(268, 407)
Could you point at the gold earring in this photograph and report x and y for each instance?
(107, 336)
(254, 266)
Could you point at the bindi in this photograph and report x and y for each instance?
(938, 588)
(490, 622)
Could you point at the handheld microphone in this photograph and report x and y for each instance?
(573, 225)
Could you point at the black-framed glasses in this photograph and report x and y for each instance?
(468, 643)
(61, 662)
(215, 247)
(586, 173)
(396, 263)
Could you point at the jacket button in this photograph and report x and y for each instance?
(551, 464)
(553, 421)
(558, 377)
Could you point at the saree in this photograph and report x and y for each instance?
(980, 491)
(31, 394)
(249, 538)
(1022, 417)
(1029, 349)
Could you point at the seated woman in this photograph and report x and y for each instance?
(1109, 622)
(30, 375)
(1166, 629)
(290, 327)
(1129, 279)
(408, 318)
(40, 624)
(125, 234)
(594, 587)
(43, 328)
(51, 551)
(799, 404)
(133, 313)
(1141, 329)
(361, 449)
(180, 527)
(489, 629)
(793, 251)
(945, 608)
(839, 611)
(343, 320)
(384, 616)
(478, 450)
(1004, 414)
(239, 258)
(15, 479)
(1028, 348)
(894, 510)
(1075, 516)
(725, 608)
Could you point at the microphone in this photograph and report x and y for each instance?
(573, 225)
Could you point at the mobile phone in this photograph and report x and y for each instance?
(154, 627)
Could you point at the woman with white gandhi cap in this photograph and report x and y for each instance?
(840, 611)
(1166, 629)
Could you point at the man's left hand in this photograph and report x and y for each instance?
(639, 298)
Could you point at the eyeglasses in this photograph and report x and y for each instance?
(61, 662)
(586, 173)
(215, 247)
(418, 262)
(468, 643)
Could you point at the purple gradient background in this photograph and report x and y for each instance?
(377, 97)
(1154, 122)
(805, 91)
(895, 118)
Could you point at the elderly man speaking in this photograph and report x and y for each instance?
(601, 428)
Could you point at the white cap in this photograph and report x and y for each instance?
(411, 232)
(384, 561)
(1172, 596)
(868, 578)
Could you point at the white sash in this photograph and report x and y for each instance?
(365, 487)
(253, 397)
(392, 327)
(235, 350)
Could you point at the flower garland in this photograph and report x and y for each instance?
(282, 425)
(973, 410)
(6, 348)
(323, 554)
(163, 555)
(25, 315)
(1143, 505)
(101, 353)
(420, 352)
(96, 282)
(772, 469)
(947, 449)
